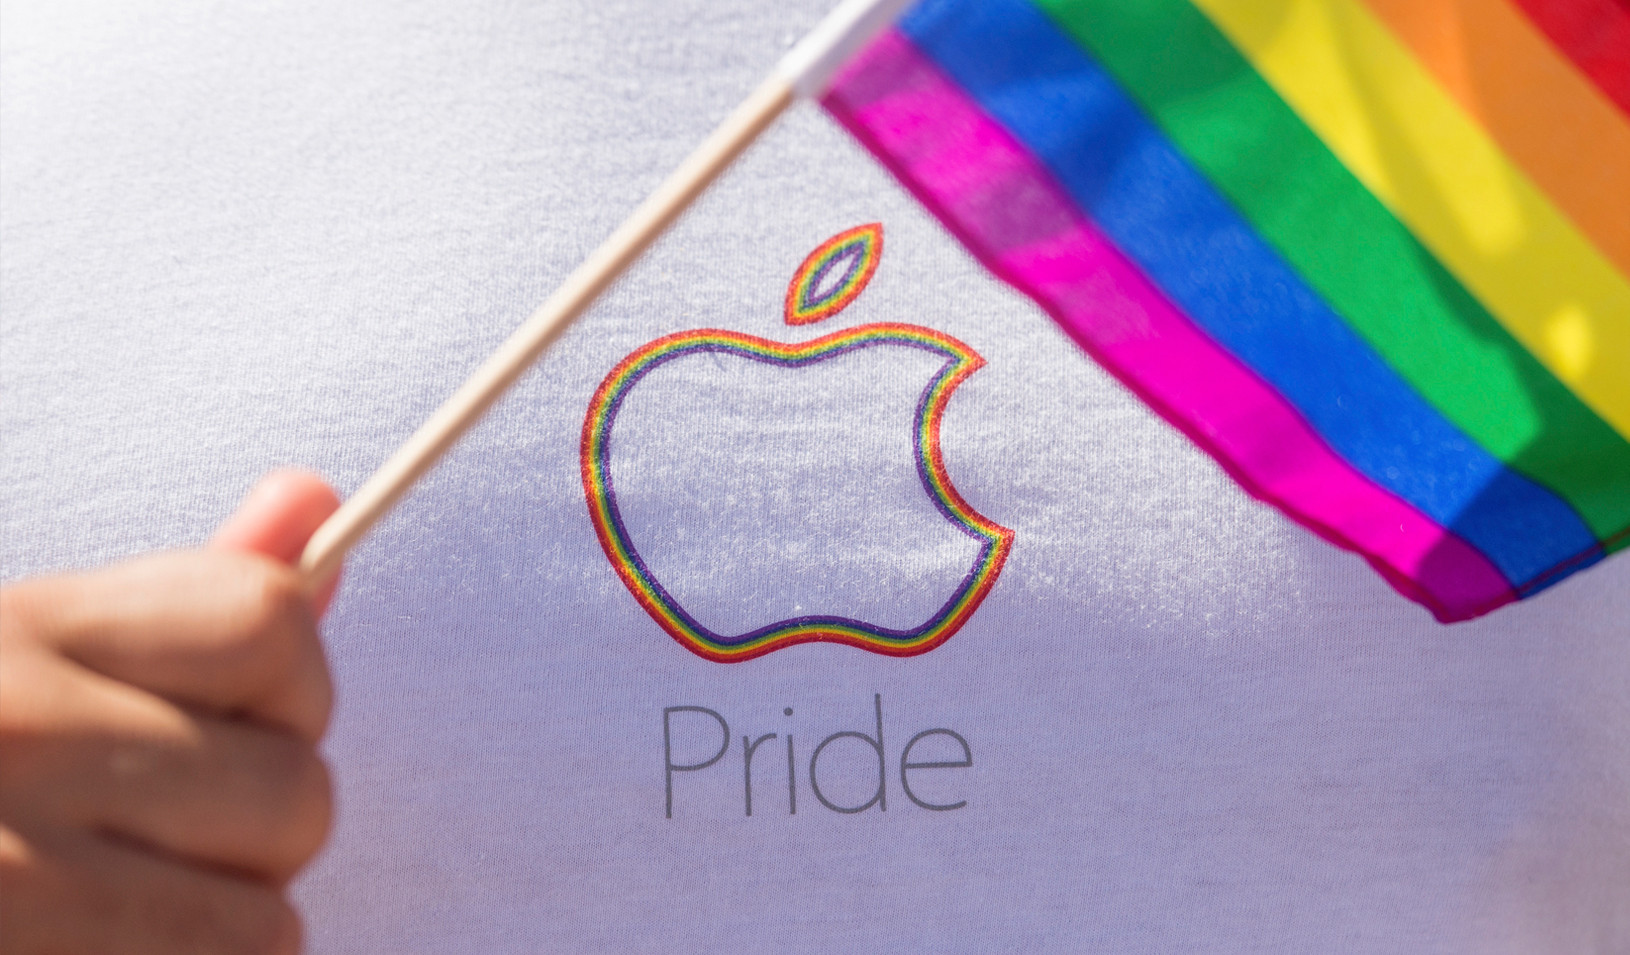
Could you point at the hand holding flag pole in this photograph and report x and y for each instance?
(804, 71)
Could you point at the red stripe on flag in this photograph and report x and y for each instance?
(1595, 34)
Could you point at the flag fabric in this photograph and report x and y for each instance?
(1371, 255)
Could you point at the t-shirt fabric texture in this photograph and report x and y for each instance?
(234, 237)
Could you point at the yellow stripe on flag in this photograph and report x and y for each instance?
(1411, 145)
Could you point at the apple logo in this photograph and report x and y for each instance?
(827, 282)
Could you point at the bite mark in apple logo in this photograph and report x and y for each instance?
(830, 279)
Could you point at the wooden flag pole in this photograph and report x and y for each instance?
(328, 546)
(804, 71)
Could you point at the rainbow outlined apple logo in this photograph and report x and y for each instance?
(830, 279)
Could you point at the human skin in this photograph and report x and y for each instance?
(160, 783)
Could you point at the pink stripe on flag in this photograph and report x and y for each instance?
(1006, 208)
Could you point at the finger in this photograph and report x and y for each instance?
(227, 632)
(278, 517)
(90, 895)
(116, 759)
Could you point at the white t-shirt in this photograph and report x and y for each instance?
(238, 236)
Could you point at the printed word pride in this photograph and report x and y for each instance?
(921, 762)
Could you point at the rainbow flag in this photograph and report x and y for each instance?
(1372, 255)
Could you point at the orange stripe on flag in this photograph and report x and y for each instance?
(1547, 117)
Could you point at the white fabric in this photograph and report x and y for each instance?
(238, 235)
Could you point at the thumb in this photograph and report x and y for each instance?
(277, 518)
